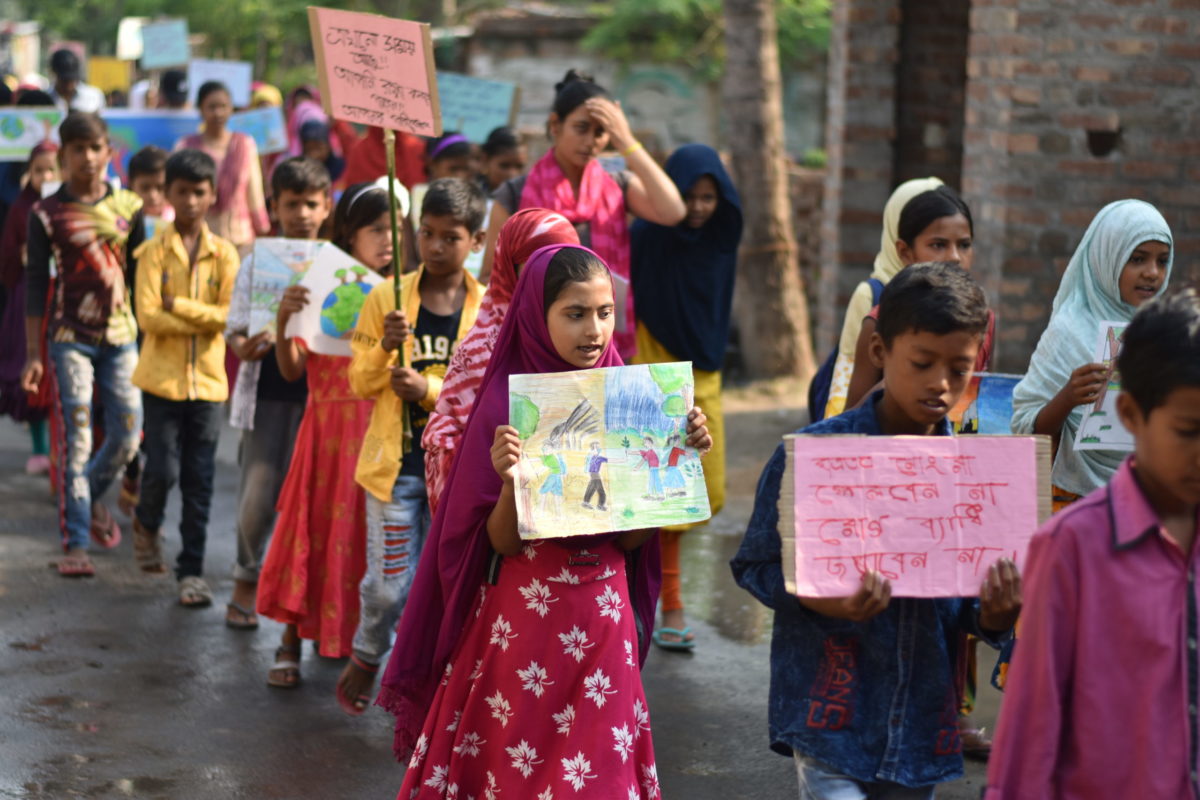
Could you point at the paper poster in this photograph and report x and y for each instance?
(604, 450)
(929, 513)
(986, 406)
(165, 44)
(278, 263)
(474, 107)
(1101, 428)
(129, 38)
(376, 70)
(235, 75)
(131, 130)
(338, 286)
(109, 74)
(265, 126)
(23, 127)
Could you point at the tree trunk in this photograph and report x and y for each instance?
(770, 310)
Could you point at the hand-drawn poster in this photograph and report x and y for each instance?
(1101, 428)
(474, 107)
(23, 128)
(604, 450)
(165, 44)
(277, 264)
(266, 126)
(986, 406)
(376, 70)
(236, 76)
(931, 514)
(338, 286)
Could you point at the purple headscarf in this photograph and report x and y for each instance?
(454, 561)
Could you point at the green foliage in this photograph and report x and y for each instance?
(670, 378)
(625, 442)
(523, 415)
(674, 406)
(691, 33)
(814, 158)
(359, 271)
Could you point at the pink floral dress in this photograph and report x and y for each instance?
(543, 697)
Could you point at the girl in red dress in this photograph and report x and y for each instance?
(317, 553)
(516, 669)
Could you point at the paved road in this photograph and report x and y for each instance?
(111, 690)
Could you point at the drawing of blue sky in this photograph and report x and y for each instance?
(633, 400)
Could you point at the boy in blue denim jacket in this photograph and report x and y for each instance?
(863, 688)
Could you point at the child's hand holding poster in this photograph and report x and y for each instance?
(1101, 428)
(337, 288)
(930, 514)
(605, 450)
(277, 264)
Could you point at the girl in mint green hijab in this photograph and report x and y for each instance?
(1123, 260)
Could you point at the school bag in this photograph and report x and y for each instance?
(818, 390)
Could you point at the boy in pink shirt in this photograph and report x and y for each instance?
(1101, 700)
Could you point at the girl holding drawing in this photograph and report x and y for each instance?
(482, 703)
(524, 233)
(317, 554)
(1123, 260)
(569, 179)
(240, 211)
(683, 277)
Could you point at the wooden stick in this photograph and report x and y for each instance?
(389, 145)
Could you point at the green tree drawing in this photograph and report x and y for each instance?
(674, 406)
(523, 415)
(669, 377)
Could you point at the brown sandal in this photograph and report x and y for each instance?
(147, 549)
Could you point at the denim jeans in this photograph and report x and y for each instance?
(181, 447)
(395, 536)
(82, 371)
(819, 781)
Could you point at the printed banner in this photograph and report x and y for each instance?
(21, 128)
(604, 450)
(165, 44)
(986, 406)
(930, 514)
(235, 75)
(278, 264)
(1101, 428)
(474, 107)
(338, 286)
(376, 70)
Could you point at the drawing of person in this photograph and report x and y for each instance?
(650, 459)
(552, 487)
(673, 480)
(595, 462)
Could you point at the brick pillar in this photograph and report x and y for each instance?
(1047, 82)
(860, 128)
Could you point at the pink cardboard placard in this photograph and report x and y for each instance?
(929, 513)
(376, 70)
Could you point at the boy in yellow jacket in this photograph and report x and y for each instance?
(400, 357)
(183, 287)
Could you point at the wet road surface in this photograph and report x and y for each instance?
(112, 690)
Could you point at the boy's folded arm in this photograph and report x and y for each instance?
(212, 316)
(758, 567)
(432, 390)
(151, 316)
(370, 373)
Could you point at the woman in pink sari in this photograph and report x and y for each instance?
(569, 179)
(240, 211)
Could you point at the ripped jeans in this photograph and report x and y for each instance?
(82, 370)
(395, 536)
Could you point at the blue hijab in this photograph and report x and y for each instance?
(682, 276)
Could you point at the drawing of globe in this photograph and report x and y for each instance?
(339, 311)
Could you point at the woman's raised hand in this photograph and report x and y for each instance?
(609, 116)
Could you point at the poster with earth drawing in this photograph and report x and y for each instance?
(338, 286)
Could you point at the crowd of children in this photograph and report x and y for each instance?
(376, 503)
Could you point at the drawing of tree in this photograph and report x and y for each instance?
(674, 406)
(524, 416)
(670, 378)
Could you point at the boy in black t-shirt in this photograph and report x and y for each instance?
(400, 357)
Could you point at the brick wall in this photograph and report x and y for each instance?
(1041, 80)
(931, 84)
(859, 134)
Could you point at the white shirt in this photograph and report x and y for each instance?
(87, 98)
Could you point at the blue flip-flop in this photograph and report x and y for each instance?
(666, 644)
